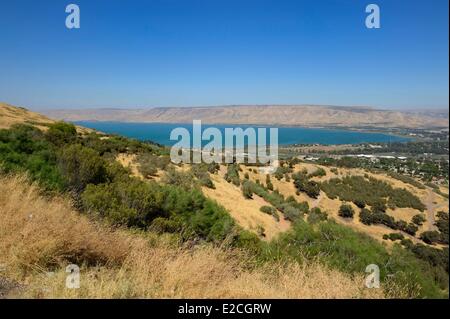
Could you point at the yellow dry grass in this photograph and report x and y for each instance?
(11, 115)
(129, 161)
(246, 212)
(40, 235)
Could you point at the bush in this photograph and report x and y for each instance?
(302, 183)
(371, 191)
(270, 211)
(148, 169)
(316, 215)
(346, 211)
(351, 251)
(418, 219)
(184, 180)
(430, 237)
(61, 133)
(165, 225)
(269, 184)
(136, 203)
(81, 166)
(201, 172)
(319, 172)
(442, 225)
(128, 202)
(24, 148)
(247, 190)
(365, 216)
(232, 174)
(359, 203)
(394, 236)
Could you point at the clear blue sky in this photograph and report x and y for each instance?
(215, 52)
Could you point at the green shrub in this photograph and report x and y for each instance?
(61, 133)
(346, 211)
(201, 172)
(183, 180)
(342, 248)
(442, 225)
(81, 166)
(419, 219)
(319, 172)
(302, 183)
(316, 215)
(430, 237)
(165, 225)
(23, 148)
(232, 174)
(394, 236)
(270, 211)
(359, 203)
(371, 191)
(247, 190)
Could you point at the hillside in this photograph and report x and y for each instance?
(295, 115)
(39, 235)
(11, 115)
(119, 208)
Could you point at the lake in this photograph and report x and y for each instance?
(160, 133)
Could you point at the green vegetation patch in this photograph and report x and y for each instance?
(370, 191)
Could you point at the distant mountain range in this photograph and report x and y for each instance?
(292, 115)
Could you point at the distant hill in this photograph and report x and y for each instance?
(294, 115)
(10, 115)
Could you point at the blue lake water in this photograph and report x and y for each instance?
(160, 133)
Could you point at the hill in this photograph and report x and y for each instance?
(11, 115)
(294, 115)
(40, 234)
(118, 207)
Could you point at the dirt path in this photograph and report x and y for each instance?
(317, 200)
(431, 209)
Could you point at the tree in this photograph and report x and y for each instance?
(346, 211)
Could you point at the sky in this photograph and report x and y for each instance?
(218, 52)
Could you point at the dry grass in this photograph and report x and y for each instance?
(38, 235)
(10, 115)
(246, 212)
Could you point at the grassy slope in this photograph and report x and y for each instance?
(40, 234)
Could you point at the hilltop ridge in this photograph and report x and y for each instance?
(293, 115)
